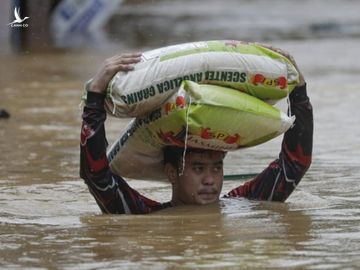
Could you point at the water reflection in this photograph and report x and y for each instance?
(228, 234)
(213, 236)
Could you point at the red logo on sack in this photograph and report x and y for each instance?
(280, 82)
(180, 102)
(207, 133)
(171, 138)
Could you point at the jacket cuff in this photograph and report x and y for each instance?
(299, 94)
(95, 100)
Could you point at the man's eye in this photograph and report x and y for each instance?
(198, 169)
(218, 168)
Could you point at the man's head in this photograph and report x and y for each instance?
(199, 179)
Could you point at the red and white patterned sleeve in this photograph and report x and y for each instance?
(280, 178)
(111, 192)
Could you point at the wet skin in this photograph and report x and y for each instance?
(201, 179)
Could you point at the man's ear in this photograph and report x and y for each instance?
(171, 172)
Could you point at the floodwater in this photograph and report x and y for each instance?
(48, 220)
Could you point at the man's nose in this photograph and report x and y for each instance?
(208, 178)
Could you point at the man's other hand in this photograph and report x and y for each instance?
(112, 65)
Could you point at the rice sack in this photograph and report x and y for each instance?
(201, 116)
(247, 67)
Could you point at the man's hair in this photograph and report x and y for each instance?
(174, 154)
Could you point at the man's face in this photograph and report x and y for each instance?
(201, 180)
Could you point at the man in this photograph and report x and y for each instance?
(199, 179)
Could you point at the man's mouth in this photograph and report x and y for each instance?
(207, 194)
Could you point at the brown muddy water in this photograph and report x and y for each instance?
(48, 219)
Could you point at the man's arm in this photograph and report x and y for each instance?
(280, 178)
(111, 192)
